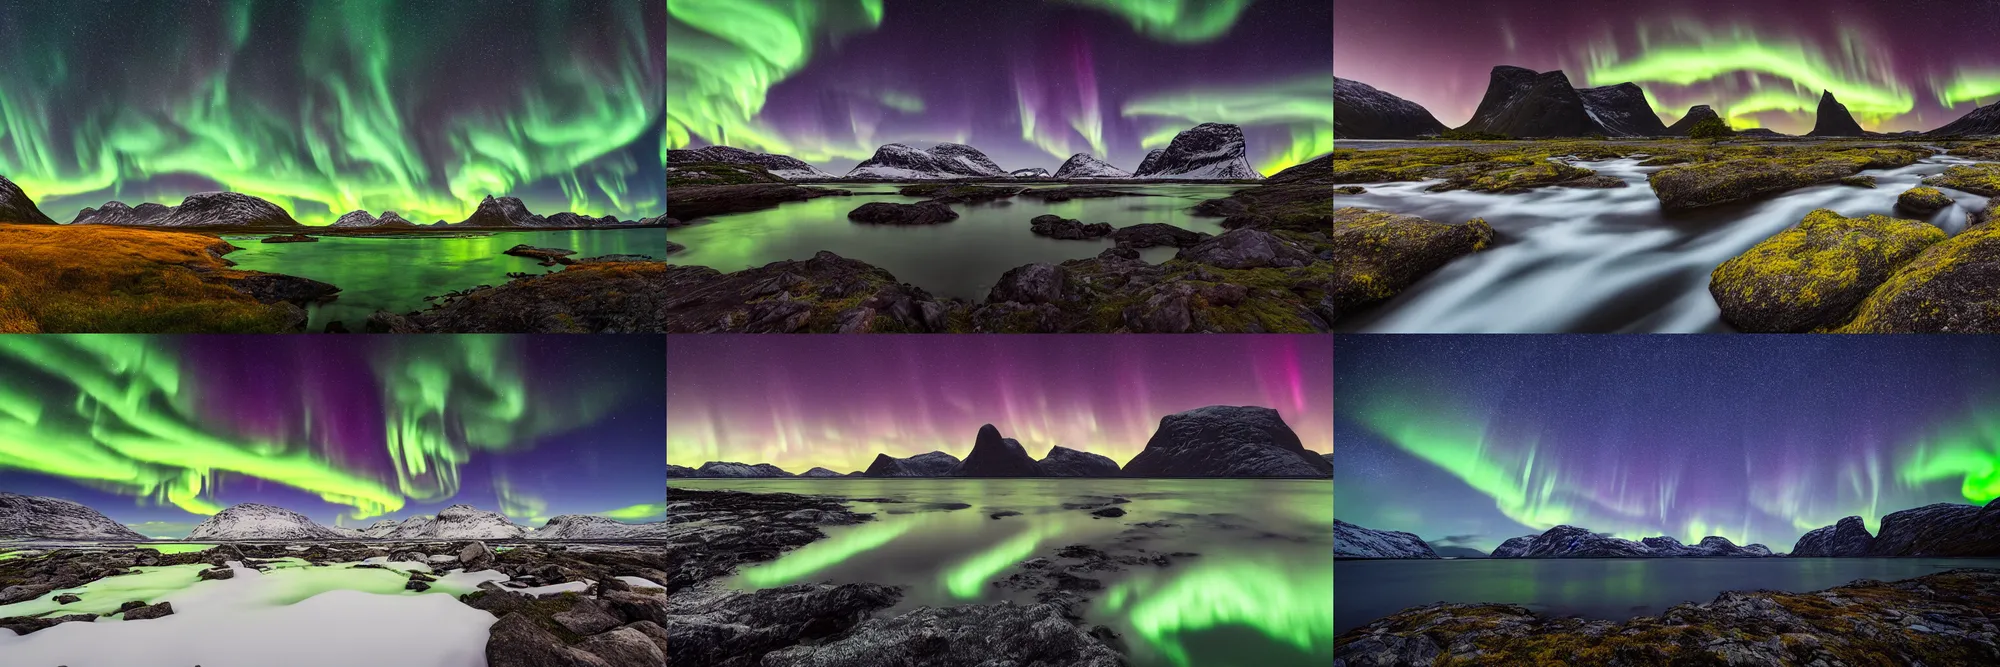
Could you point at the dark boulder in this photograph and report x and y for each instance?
(1058, 227)
(890, 213)
(1149, 234)
(150, 611)
(1812, 276)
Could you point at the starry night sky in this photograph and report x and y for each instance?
(1028, 82)
(1896, 65)
(837, 401)
(327, 106)
(169, 429)
(1470, 440)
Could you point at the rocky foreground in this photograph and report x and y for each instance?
(1279, 269)
(1937, 619)
(610, 623)
(827, 625)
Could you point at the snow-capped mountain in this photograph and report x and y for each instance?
(589, 527)
(1361, 111)
(252, 521)
(1352, 541)
(458, 522)
(1082, 165)
(207, 209)
(733, 469)
(901, 162)
(56, 519)
(1205, 151)
(363, 219)
(782, 166)
(1151, 161)
(381, 528)
(1622, 110)
(1031, 172)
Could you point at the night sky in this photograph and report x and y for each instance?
(1470, 440)
(327, 106)
(1896, 65)
(1028, 82)
(837, 401)
(159, 431)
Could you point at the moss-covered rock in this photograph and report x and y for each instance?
(1980, 179)
(1698, 184)
(1922, 200)
(1859, 181)
(1349, 190)
(1813, 275)
(1378, 254)
(1951, 287)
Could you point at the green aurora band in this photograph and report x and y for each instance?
(1182, 21)
(1304, 105)
(351, 138)
(723, 57)
(127, 421)
(1968, 452)
(1968, 85)
(1695, 55)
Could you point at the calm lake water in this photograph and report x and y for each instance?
(1601, 588)
(1259, 593)
(962, 258)
(1591, 260)
(395, 273)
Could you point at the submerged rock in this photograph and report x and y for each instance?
(1055, 226)
(890, 213)
(1150, 234)
(1352, 541)
(1812, 276)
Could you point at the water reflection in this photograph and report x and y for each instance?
(1259, 592)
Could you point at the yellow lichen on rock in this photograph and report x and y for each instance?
(1813, 275)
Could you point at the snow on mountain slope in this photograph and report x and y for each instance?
(252, 521)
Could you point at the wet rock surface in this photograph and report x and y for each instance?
(589, 297)
(890, 213)
(1058, 227)
(1936, 619)
(842, 625)
(1812, 276)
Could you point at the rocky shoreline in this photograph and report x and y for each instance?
(1936, 619)
(1278, 269)
(607, 622)
(828, 625)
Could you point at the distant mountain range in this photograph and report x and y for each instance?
(1943, 530)
(1523, 103)
(1215, 441)
(1209, 151)
(42, 518)
(233, 211)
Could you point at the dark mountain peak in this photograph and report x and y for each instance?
(1622, 110)
(1832, 119)
(1065, 462)
(204, 209)
(994, 456)
(1980, 121)
(16, 207)
(1522, 103)
(503, 212)
(1695, 114)
(1226, 441)
(1360, 111)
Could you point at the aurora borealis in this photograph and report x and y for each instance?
(1896, 66)
(837, 401)
(160, 431)
(1470, 440)
(1029, 82)
(324, 107)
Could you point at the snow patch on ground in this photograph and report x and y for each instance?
(555, 589)
(253, 620)
(641, 582)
